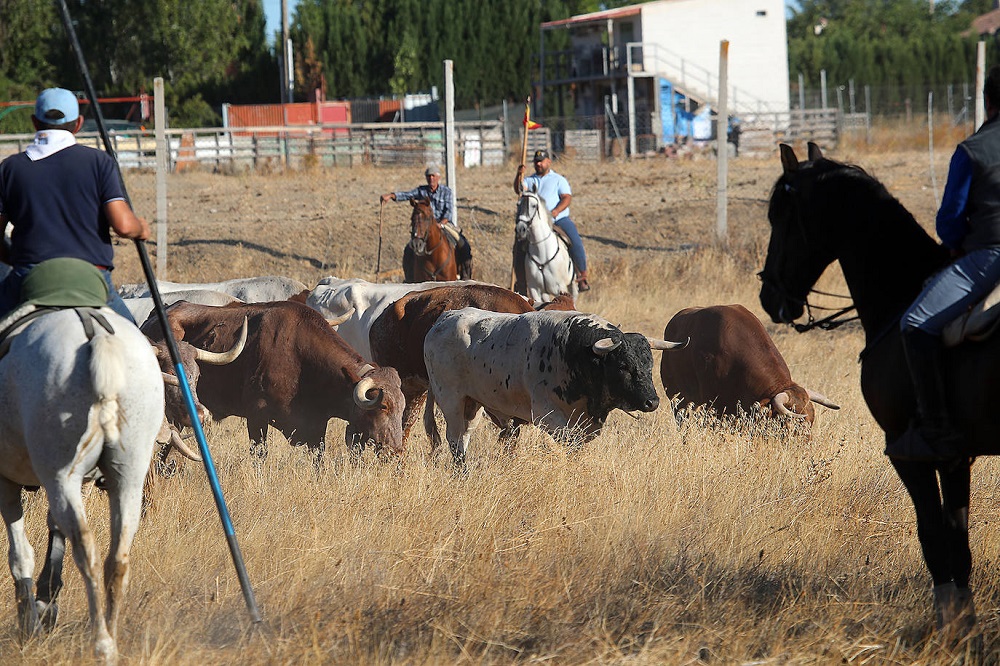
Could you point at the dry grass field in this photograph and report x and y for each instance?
(654, 544)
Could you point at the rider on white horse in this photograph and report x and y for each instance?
(442, 201)
(554, 189)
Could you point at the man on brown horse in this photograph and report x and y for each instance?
(442, 201)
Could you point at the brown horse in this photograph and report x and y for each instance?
(433, 254)
(823, 211)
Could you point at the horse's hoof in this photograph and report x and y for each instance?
(27, 612)
(954, 610)
(48, 613)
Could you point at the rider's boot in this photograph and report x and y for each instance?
(932, 435)
(465, 269)
(581, 281)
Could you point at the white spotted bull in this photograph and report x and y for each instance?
(560, 370)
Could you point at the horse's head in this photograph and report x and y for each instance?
(799, 250)
(421, 223)
(530, 210)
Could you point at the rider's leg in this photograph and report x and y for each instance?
(407, 263)
(520, 253)
(935, 435)
(576, 251)
(463, 257)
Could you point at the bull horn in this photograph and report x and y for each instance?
(222, 358)
(337, 321)
(778, 403)
(664, 345)
(182, 448)
(605, 346)
(821, 399)
(361, 394)
(169, 379)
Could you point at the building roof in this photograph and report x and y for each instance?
(594, 17)
(985, 24)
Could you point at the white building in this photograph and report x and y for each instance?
(645, 62)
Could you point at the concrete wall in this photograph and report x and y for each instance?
(758, 44)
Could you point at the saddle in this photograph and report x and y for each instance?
(977, 323)
(18, 320)
(58, 284)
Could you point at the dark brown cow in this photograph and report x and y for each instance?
(397, 335)
(731, 361)
(295, 374)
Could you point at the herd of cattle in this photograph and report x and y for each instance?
(279, 354)
(275, 352)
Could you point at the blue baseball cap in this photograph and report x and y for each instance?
(56, 106)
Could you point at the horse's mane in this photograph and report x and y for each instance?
(846, 186)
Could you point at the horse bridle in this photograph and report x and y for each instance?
(426, 252)
(552, 232)
(827, 323)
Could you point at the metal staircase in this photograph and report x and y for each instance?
(699, 84)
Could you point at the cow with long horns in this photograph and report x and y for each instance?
(732, 364)
(295, 373)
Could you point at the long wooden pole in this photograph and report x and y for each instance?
(527, 121)
(520, 174)
(378, 258)
(147, 269)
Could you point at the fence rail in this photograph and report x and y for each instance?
(478, 144)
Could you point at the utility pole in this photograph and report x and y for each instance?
(283, 49)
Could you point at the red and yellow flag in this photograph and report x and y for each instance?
(528, 122)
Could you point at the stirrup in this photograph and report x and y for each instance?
(582, 284)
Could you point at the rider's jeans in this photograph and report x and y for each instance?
(949, 293)
(576, 252)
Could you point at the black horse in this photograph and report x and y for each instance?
(823, 211)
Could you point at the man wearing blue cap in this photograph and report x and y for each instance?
(62, 200)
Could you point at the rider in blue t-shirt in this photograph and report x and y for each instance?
(62, 200)
(555, 191)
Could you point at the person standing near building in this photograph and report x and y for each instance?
(62, 200)
(554, 189)
(442, 201)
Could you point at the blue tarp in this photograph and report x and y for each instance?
(675, 120)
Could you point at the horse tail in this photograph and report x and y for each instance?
(108, 375)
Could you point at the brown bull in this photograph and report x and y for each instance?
(731, 362)
(295, 373)
(397, 336)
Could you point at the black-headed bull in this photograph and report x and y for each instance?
(563, 371)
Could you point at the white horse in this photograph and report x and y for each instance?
(548, 268)
(72, 404)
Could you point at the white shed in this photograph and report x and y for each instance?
(643, 62)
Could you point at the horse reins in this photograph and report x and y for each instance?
(552, 232)
(827, 323)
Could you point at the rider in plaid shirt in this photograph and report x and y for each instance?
(442, 201)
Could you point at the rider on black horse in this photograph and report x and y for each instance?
(968, 223)
(442, 201)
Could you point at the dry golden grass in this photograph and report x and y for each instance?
(656, 543)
